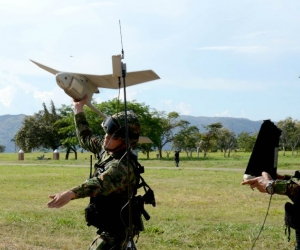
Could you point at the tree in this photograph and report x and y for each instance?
(246, 141)
(28, 136)
(66, 129)
(14, 141)
(38, 131)
(226, 141)
(164, 131)
(2, 148)
(51, 138)
(187, 137)
(209, 138)
(290, 136)
(149, 128)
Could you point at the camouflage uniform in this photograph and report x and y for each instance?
(290, 186)
(114, 180)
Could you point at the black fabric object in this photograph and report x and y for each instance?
(297, 246)
(265, 152)
(292, 215)
(292, 220)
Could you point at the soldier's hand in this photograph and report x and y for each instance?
(61, 199)
(78, 104)
(259, 182)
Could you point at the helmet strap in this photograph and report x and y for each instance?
(117, 148)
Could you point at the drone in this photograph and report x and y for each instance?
(78, 85)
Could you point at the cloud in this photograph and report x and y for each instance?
(6, 95)
(169, 106)
(57, 95)
(183, 108)
(227, 113)
(221, 84)
(236, 49)
(224, 113)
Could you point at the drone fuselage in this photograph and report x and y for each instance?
(74, 86)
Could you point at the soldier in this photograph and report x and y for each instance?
(176, 158)
(283, 185)
(109, 184)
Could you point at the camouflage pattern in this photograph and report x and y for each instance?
(113, 180)
(86, 139)
(290, 187)
(106, 242)
(133, 126)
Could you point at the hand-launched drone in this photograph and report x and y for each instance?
(77, 85)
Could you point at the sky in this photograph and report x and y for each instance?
(216, 58)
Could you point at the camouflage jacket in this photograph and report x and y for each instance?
(114, 180)
(290, 186)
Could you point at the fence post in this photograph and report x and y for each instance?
(21, 155)
(55, 155)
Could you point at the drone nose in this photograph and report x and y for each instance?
(64, 80)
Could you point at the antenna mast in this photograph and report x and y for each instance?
(122, 51)
(130, 245)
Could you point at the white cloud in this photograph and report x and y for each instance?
(169, 106)
(183, 108)
(243, 114)
(221, 84)
(237, 49)
(6, 95)
(224, 113)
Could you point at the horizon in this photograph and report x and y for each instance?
(179, 115)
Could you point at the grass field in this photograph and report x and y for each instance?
(201, 205)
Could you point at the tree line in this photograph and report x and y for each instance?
(52, 128)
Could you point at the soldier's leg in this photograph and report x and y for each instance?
(100, 244)
(106, 242)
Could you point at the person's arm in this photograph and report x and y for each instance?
(113, 180)
(283, 177)
(78, 105)
(85, 136)
(60, 199)
(259, 182)
(281, 186)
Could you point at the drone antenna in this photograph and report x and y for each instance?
(122, 51)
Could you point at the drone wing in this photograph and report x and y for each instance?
(132, 78)
(108, 81)
(143, 139)
(53, 71)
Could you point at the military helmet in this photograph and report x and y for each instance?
(115, 127)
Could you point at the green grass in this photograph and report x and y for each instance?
(201, 205)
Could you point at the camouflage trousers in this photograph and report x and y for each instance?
(105, 241)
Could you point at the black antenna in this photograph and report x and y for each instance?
(130, 245)
(122, 51)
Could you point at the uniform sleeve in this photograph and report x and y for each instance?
(289, 187)
(85, 136)
(114, 180)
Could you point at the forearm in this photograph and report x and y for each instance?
(280, 187)
(89, 188)
(290, 187)
(86, 139)
(114, 180)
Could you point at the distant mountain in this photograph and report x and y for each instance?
(237, 125)
(9, 126)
